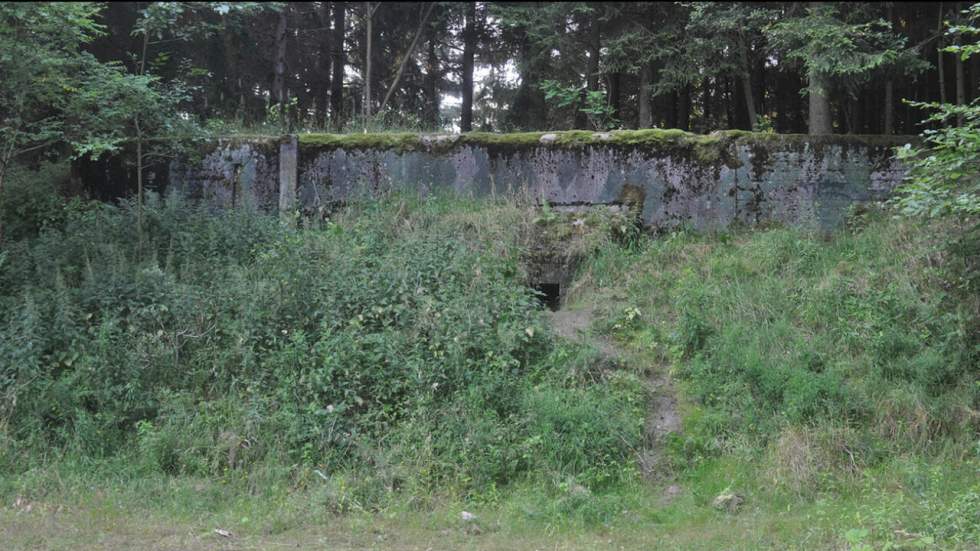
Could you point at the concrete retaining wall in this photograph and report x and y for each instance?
(674, 177)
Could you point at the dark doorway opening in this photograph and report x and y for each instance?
(550, 295)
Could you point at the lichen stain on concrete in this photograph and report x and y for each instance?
(704, 182)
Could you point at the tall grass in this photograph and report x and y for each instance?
(398, 343)
(855, 344)
(394, 354)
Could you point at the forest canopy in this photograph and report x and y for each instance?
(416, 366)
(817, 67)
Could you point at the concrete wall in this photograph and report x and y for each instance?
(675, 178)
(238, 172)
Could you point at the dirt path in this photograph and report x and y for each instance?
(662, 417)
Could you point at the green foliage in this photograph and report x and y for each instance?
(966, 31)
(843, 45)
(32, 200)
(53, 93)
(590, 102)
(398, 342)
(777, 329)
(43, 69)
(764, 124)
(718, 36)
(944, 175)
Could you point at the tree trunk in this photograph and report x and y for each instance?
(960, 76)
(852, 110)
(591, 70)
(232, 79)
(974, 78)
(279, 84)
(728, 94)
(684, 109)
(821, 120)
(369, 38)
(338, 62)
(430, 112)
(139, 183)
(595, 49)
(739, 114)
(469, 51)
(706, 92)
(323, 61)
(408, 55)
(645, 114)
(528, 108)
(940, 66)
(747, 91)
(139, 152)
(615, 96)
(889, 107)
(889, 83)
(4, 163)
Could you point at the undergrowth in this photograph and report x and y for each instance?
(393, 357)
(858, 341)
(396, 345)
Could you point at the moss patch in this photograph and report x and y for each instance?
(401, 141)
(709, 149)
(520, 139)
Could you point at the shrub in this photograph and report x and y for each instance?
(32, 199)
(224, 340)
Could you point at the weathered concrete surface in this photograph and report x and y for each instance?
(288, 159)
(237, 172)
(679, 179)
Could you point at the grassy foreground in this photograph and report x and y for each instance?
(358, 383)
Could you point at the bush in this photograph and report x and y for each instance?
(224, 340)
(32, 199)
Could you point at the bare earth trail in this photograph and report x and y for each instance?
(662, 418)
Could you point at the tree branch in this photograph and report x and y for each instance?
(408, 54)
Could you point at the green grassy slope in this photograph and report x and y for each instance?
(391, 367)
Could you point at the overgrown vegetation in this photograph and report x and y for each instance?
(811, 367)
(399, 341)
(394, 357)
(389, 366)
(859, 338)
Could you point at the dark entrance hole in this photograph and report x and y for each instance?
(550, 295)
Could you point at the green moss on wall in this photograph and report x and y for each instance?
(519, 139)
(401, 141)
(708, 149)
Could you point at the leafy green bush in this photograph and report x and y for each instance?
(32, 199)
(944, 173)
(591, 103)
(398, 340)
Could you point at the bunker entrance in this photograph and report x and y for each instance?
(550, 295)
(550, 277)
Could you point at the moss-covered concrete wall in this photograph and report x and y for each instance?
(675, 178)
(232, 172)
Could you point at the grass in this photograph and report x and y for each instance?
(104, 512)
(357, 384)
(776, 329)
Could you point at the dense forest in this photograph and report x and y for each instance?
(792, 66)
(421, 367)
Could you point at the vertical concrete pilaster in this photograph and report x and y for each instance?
(288, 174)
